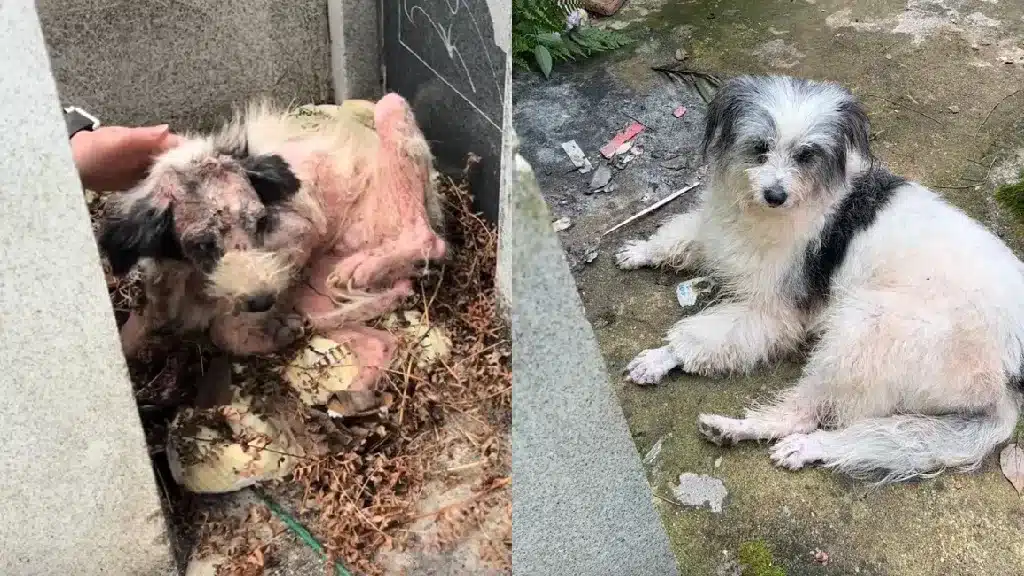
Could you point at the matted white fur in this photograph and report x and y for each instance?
(920, 334)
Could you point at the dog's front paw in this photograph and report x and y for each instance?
(633, 254)
(719, 430)
(286, 329)
(650, 366)
(796, 451)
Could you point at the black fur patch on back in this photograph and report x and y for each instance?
(271, 177)
(870, 193)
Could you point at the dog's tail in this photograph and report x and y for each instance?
(902, 447)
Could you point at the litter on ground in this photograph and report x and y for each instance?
(630, 132)
(577, 156)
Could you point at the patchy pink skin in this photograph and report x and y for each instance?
(385, 233)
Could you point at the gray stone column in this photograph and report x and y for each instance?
(77, 492)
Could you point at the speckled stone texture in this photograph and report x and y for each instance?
(77, 492)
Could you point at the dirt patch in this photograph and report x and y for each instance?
(421, 483)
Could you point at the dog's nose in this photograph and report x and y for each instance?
(774, 196)
(260, 303)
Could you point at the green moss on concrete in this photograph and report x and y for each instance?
(1011, 197)
(756, 559)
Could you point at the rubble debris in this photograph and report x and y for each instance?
(679, 111)
(577, 156)
(954, 109)
(681, 54)
(630, 132)
(691, 291)
(654, 452)
(699, 490)
(602, 176)
(603, 7)
(820, 557)
(561, 224)
(651, 208)
(622, 161)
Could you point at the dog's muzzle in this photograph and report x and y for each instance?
(260, 302)
(774, 196)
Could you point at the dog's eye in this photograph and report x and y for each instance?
(263, 225)
(761, 152)
(206, 246)
(805, 155)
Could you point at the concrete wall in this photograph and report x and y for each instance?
(355, 48)
(185, 62)
(77, 493)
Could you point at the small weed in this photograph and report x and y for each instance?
(756, 558)
(549, 31)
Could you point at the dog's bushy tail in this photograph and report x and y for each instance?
(903, 447)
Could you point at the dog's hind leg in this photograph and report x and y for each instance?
(732, 337)
(674, 244)
(796, 410)
(901, 447)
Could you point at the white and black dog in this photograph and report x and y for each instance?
(916, 309)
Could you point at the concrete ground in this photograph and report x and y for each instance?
(942, 80)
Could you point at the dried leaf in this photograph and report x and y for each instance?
(348, 403)
(1011, 461)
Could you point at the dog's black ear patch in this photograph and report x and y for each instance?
(724, 111)
(144, 231)
(271, 177)
(854, 126)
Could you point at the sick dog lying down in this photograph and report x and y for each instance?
(917, 310)
(266, 227)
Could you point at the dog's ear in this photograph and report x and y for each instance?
(855, 126)
(271, 177)
(720, 126)
(141, 230)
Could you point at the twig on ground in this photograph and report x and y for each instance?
(651, 208)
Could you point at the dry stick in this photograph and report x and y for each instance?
(672, 502)
(652, 208)
(998, 104)
(405, 386)
(262, 448)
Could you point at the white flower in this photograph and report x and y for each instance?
(576, 19)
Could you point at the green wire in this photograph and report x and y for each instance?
(302, 533)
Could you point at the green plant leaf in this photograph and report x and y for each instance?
(549, 38)
(543, 57)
